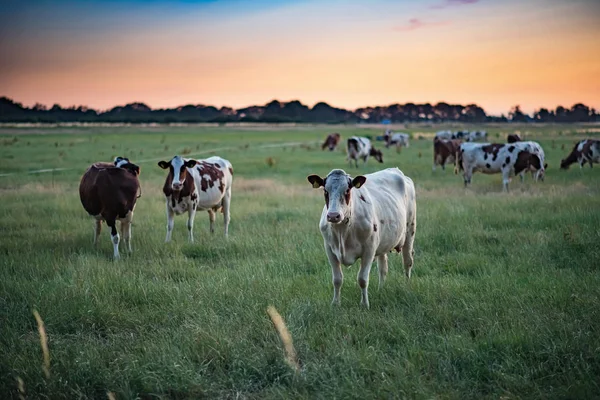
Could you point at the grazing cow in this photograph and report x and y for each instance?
(477, 135)
(331, 141)
(108, 192)
(360, 147)
(397, 138)
(493, 158)
(513, 138)
(366, 217)
(534, 148)
(197, 185)
(587, 150)
(444, 151)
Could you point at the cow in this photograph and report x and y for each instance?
(444, 135)
(476, 135)
(197, 185)
(444, 151)
(513, 138)
(396, 138)
(587, 150)
(331, 141)
(534, 148)
(360, 148)
(366, 217)
(108, 192)
(493, 158)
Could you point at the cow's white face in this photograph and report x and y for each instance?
(178, 171)
(336, 187)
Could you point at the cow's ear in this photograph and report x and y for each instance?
(190, 163)
(545, 166)
(316, 181)
(358, 181)
(136, 170)
(163, 164)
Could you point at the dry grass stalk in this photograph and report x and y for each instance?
(286, 338)
(21, 387)
(111, 396)
(44, 343)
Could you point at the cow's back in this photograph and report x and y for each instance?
(108, 191)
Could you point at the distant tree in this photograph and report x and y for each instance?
(516, 115)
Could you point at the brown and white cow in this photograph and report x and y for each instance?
(331, 142)
(108, 192)
(444, 151)
(493, 158)
(587, 150)
(366, 217)
(197, 185)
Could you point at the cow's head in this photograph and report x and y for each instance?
(377, 154)
(177, 171)
(336, 187)
(123, 162)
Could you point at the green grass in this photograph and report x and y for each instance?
(504, 301)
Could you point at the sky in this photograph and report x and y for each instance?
(350, 54)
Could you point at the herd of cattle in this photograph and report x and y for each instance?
(364, 217)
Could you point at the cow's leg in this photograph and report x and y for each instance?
(522, 176)
(190, 222)
(408, 252)
(337, 275)
(170, 222)
(126, 230)
(97, 230)
(114, 236)
(505, 180)
(382, 266)
(363, 277)
(226, 210)
(211, 217)
(468, 174)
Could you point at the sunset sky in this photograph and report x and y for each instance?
(496, 53)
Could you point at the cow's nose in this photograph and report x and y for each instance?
(334, 217)
(177, 186)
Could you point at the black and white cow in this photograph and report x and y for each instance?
(361, 148)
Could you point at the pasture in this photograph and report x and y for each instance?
(504, 301)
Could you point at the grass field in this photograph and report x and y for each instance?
(504, 301)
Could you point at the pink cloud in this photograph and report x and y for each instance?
(416, 23)
(450, 3)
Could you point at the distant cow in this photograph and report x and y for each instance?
(396, 138)
(444, 135)
(493, 158)
(360, 148)
(534, 148)
(331, 141)
(366, 217)
(108, 192)
(477, 135)
(197, 185)
(513, 138)
(587, 150)
(444, 151)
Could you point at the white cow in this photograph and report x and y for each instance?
(447, 135)
(477, 135)
(534, 148)
(397, 138)
(193, 185)
(587, 150)
(361, 148)
(366, 217)
(494, 158)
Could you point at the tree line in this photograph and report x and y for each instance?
(293, 111)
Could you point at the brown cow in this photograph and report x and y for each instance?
(444, 151)
(513, 138)
(108, 192)
(331, 141)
